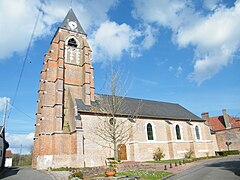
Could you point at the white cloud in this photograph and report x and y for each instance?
(164, 13)
(149, 37)
(18, 141)
(215, 39)
(148, 82)
(212, 4)
(18, 18)
(170, 68)
(179, 71)
(111, 40)
(3, 102)
(214, 36)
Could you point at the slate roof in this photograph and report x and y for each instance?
(72, 17)
(146, 109)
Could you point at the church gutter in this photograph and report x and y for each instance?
(143, 117)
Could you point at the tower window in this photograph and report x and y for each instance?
(72, 42)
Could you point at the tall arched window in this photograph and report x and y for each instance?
(149, 131)
(178, 133)
(197, 132)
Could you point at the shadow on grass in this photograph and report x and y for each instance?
(10, 171)
(233, 166)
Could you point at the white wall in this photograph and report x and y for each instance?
(8, 162)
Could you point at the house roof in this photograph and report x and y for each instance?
(72, 17)
(217, 123)
(8, 154)
(141, 108)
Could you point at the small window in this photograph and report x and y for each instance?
(149, 131)
(197, 132)
(72, 42)
(178, 133)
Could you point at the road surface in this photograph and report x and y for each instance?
(24, 173)
(216, 169)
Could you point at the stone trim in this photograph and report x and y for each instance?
(70, 84)
(166, 142)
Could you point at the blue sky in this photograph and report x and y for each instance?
(175, 51)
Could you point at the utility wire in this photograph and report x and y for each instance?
(22, 112)
(26, 57)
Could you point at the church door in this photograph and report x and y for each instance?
(122, 152)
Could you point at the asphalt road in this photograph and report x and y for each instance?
(24, 173)
(216, 169)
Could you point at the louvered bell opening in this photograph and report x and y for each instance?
(72, 42)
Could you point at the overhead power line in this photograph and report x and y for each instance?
(22, 112)
(25, 58)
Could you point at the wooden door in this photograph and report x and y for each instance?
(122, 152)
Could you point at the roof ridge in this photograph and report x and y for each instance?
(140, 99)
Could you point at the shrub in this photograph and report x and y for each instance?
(158, 154)
(189, 154)
(110, 168)
(225, 153)
(207, 154)
(76, 175)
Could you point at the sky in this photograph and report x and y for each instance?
(178, 51)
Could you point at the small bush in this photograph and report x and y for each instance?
(65, 169)
(110, 168)
(76, 175)
(207, 154)
(189, 154)
(158, 154)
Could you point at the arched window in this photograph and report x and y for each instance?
(178, 133)
(197, 132)
(149, 131)
(72, 42)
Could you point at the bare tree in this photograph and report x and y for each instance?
(112, 129)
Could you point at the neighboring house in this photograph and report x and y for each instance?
(3, 146)
(8, 161)
(226, 129)
(66, 120)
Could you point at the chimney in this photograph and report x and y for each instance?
(205, 116)
(226, 119)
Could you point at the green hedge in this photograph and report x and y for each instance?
(226, 153)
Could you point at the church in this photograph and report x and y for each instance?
(68, 114)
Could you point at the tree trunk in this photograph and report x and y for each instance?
(115, 151)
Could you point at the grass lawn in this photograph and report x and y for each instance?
(147, 175)
(167, 161)
(185, 159)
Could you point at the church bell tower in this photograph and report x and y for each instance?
(67, 75)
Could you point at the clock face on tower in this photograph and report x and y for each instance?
(72, 25)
